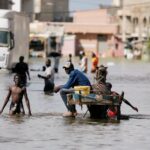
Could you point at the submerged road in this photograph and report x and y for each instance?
(47, 129)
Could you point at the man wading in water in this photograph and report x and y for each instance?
(16, 92)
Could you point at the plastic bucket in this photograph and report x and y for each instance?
(85, 90)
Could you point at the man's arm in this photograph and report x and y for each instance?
(28, 74)
(49, 74)
(57, 88)
(28, 71)
(27, 101)
(44, 77)
(71, 82)
(6, 100)
(128, 103)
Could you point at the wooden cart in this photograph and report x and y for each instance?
(97, 106)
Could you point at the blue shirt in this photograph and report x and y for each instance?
(76, 78)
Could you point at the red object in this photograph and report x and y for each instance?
(111, 113)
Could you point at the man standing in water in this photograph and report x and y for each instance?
(22, 69)
(48, 77)
(84, 63)
(16, 92)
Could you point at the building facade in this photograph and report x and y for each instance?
(47, 10)
(41, 10)
(96, 31)
(134, 19)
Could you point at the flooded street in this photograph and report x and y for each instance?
(48, 130)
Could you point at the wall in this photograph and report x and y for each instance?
(68, 45)
(98, 16)
(86, 42)
(129, 2)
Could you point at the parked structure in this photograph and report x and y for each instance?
(45, 37)
(14, 37)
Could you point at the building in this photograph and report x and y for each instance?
(54, 10)
(41, 10)
(134, 19)
(96, 31)
(47, 10)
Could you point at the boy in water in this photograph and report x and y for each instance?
(16, 92)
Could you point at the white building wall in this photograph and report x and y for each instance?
(16, 5)
(117, 3)
(129, 2)
(135, 10)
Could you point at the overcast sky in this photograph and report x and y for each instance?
(87, 4)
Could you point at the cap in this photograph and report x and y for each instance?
(68, 65)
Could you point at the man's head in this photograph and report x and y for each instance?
(93, 55)
(48, 62)
(21, 58)
(68, 67)
(101, 74)
(109, 86)
(70, 55)
(17, 79)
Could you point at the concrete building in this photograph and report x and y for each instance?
(96, 31)
(46, 10)
(42, 10)
(54, 10)
(91, 31)
(134, 19)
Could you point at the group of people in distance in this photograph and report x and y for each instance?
(84, 62)
(76, 78)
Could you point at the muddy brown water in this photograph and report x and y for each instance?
(48, 130)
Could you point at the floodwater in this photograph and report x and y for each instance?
(48, 130)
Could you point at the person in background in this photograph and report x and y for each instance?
(16, 92)
(48, 77)
(57, 60)
(70, 58)
(84, 63)
(80, 54)
(22, 70)
(76, 78)
(94, 63)
(56, 64)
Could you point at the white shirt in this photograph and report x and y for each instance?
(49, 71)
(83, 65)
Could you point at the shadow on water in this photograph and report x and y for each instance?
(139, 116)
